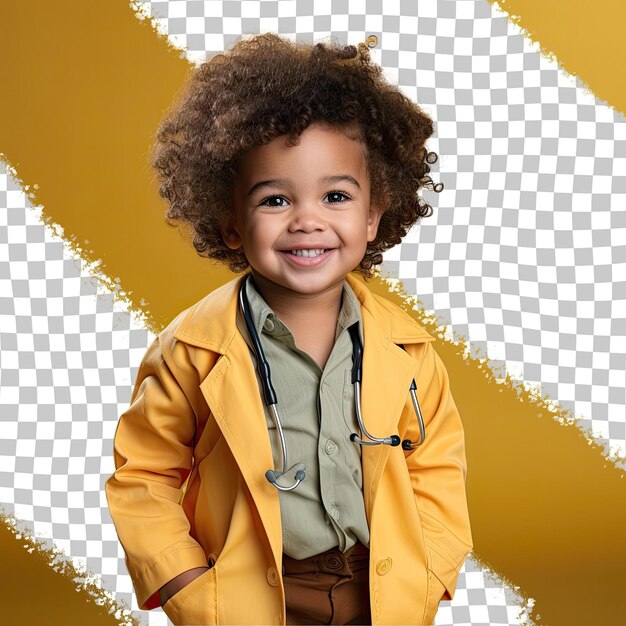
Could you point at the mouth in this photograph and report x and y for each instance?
(307, 257)
(306, 252)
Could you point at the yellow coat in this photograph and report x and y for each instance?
(196, 413)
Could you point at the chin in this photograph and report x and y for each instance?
(315, 286)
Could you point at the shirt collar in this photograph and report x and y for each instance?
(259, 309)
(349, 313)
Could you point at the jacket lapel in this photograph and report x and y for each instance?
(233, 396)
(231, 391)
(385, 388)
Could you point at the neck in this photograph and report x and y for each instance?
(292, 306)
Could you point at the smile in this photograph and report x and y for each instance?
(309, 253)
(306, 258)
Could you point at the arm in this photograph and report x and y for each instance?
(153, 457)
(438, 471)
(177, 583)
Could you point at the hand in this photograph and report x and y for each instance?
(178, 582)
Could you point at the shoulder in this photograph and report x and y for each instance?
(390, 312)
(209, 322)
(166, 335)
(394, 310)
(205, 330)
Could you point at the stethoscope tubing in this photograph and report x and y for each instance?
(271, 399)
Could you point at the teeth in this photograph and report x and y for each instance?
(308, 253)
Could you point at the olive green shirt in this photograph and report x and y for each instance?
(317, 413)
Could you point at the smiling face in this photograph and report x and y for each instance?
(309, 197)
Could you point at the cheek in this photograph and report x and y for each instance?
(357, 233)
(259, 238)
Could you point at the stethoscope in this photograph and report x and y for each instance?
(271, 400)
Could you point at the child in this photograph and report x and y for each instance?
(300, 162)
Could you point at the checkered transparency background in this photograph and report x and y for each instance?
(524, 256)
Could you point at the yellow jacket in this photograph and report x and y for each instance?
(196, 415)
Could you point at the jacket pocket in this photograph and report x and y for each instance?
(434, 593)
(196, 602)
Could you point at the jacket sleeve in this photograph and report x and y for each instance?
(438, 472)
(153, 452)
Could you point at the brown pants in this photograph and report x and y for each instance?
(328, 588)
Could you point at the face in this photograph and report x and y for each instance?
(309, 197)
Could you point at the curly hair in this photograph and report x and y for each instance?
(230, 105)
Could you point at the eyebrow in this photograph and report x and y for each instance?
(286, 182)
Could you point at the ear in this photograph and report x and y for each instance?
(373, 220)
(230, 234)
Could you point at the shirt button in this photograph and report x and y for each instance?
(268, 325)
(272, 576)
(331, 447)
(334, 511)
(383, 566)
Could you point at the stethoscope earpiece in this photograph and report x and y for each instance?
(271, 400)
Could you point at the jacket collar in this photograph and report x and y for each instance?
(211, 322)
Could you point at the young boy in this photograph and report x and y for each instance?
(301, 163)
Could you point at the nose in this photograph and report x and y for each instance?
(307, 217)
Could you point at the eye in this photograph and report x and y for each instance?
(338, 193)
(265, 202)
